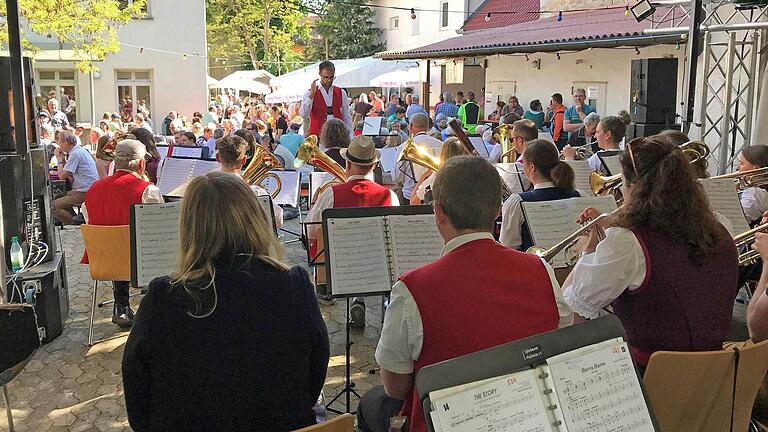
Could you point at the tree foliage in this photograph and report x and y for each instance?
(349, 30)
(261, 32)
(87, 27)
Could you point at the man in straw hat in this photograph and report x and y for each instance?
(359, 191)
(108, 202)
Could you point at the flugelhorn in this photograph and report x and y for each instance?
(757, 177)
(259, 169)
(746, 239)
(503, 135)
(581, 153)
(309, 153)
(549, 254)
(417, 154)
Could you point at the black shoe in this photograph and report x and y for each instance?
(357, 315)
(322, 295)
(122, 316)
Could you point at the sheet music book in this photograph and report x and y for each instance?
(178, 172)
(289, 190)
(611, 161)
(317, 179)
(266, 203)
(189, 152)
(582, 171)
(389, 158)
(369, 254)
(163, 150)
(372, 126)
(479, 145)
(549, 222)
(724, 199)
(594, 388)
(511, 176)
(154, 241)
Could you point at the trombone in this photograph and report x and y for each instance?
(746, 179)
(309, 153)
(746, 239)
(259, 169)
(549, 254)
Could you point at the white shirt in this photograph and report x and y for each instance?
(599, 278)
(403, 333)
(151, 195)
(409, 172)
(325, 201)
(306, 106)
(260, 191)
(754, 200)
(512, 218)
(595, 164)
(422, 189)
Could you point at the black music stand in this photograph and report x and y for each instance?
(361, 212)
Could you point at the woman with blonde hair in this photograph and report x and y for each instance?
(233, 339)
(451, 147)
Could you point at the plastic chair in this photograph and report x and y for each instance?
(753, 365)
(342, 423)
(109, 257)
(691, 391)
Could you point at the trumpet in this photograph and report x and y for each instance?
(549, 254)
(309, 153)
(603, 185)
(418, 155)
(746, 239)
(503, 135)
(746, 179)
(259, 169)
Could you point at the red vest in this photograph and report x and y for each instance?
(679, 306)
(109, 200)
(319, 113)
(360, 193)
(492, 294)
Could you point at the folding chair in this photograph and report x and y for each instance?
(109, 257)
(752, 367)
(342, 423)
(691, 391)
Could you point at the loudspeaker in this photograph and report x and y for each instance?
(640, 130)
(653, 90)
(9, 142)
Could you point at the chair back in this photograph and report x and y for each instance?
(691, 391)
(109, 251)
(342, 423)
(753, 365)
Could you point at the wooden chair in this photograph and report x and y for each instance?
(753, 365)
(342, 423)
(691, 391)
(109, 257)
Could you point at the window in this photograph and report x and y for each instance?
(62, 86)
(394, 23)
(415, 26)
(443, 14)
(134, 91)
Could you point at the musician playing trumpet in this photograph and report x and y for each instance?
(552, 179)
(666, 265)
(754, 199)
(609, 133)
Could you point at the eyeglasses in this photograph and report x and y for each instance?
(328, 78)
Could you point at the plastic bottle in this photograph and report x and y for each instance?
(17, 255)
(320, 413)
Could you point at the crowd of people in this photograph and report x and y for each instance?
(233, 302)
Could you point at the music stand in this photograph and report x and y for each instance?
(290, 195)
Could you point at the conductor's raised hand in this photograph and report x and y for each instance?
(313, 89)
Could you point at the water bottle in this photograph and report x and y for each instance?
(17, 255)
(319, 408)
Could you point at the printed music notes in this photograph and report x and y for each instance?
(582, 170)
(510, 175)
(317, 179)
(479, 145)
(414, 241)
(357, 260)
(177, 172)
(289, 189)
(189, 152)
(155, 241)
(724, 199)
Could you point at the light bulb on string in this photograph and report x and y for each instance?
(558, 55)
(413, 13)
(526, 58)
(141, 50)
(677, 46)
(637, 51)
(184, 57)
(559, 16)
(626, 11)
(488, 17)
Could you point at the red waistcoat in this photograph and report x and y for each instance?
(477, 296)
(319, 113)
(679, 306)
(109, 200)
(360, 193)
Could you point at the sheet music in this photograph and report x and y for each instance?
(479, 145)
(582, 170)
(265, 201)
(157, 240)
(203, 167)
(289, 191)
(724, 198)
(190, 152)
(372, 126)
(598, 389)
(549, 222)
(175, 173)
(605, 204)
(612, 163)
(358, 257)
(163, 150)
(414, 241)
(317, 179)
(509, 173)
(389, 158)
(508, 403)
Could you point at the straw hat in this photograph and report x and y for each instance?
(361, 151)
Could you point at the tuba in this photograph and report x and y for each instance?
(418, 155)
(309, 153)
(503, 135)
(259, 169)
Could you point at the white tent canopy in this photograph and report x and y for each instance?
(211, 81)
(253, 81)
(399, 78)
(350, 73)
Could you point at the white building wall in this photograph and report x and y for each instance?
(176, 84)
(609, 66)
(426, 29)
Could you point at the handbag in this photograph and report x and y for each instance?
(19, 337)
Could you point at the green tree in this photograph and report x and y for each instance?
(347, 30)
(87, 27)
(262, 33)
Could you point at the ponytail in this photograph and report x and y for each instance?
(562, 176)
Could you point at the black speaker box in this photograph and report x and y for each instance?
(653, 90)
(639, 130)
(9, 142)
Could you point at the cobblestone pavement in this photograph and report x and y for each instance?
(68, 386)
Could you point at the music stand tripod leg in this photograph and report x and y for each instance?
(349, 386)
(8, 412)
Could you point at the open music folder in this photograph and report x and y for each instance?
(366, 254)
(177, 172)
(549, 222)
(590, 388)
(154, 241)
(724, 199)
(582, 172)
(512, 176)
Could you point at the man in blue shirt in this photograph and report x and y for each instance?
(448, 107)
(414, 107)
(76, 165)
(292, 140)
(576, 113)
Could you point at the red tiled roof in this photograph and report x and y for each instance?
(477, 21)
(603, 28)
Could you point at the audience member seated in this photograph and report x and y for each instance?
(75, 165)
(292, 140)
(334, 137)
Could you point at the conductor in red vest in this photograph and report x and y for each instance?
(325, 102)
(479, 294)
(108, 202)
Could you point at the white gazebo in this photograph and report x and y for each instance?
(253, 81)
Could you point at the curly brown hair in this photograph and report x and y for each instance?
(334, 134)
(667, 198)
